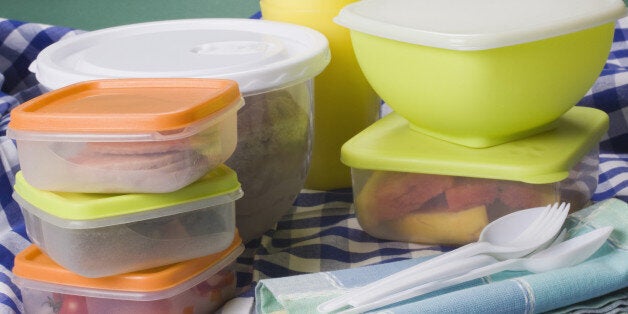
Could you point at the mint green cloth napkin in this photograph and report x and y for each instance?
(505, 292)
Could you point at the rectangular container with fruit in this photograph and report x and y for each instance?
(96, 235)
(126, 135)
(199, 285)
(412, 187)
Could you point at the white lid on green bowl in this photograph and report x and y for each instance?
(476, 24)
(259, 55)
(390, 145)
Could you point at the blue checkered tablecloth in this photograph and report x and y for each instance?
(321, 233)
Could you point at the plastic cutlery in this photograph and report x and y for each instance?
(559, 255)
(511, 236)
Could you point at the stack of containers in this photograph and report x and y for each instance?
(126, 198)
(274, 64)
(484, 120)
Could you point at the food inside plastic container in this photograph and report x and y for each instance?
(440, 209)
(198, 285)
(411, 187)
(127, 135)
(271, 156)
(97, 235)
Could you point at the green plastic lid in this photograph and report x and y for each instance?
(91, 210)
(390, 145)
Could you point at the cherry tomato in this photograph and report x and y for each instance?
(73, 304)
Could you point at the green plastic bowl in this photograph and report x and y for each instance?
(480, 73)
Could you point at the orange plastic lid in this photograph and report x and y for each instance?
(33, 264)
(125, 105)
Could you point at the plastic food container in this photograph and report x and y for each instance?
(199, 285)
(126, 135)
(481, 72)
(411, 187)
(274, 64)
(97, 235)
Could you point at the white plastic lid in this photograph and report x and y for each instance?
(260, 55)
(476, 24)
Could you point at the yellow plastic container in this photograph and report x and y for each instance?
(412, 187)
(126, 135)
(198, 285)
(345, 103)
(480, 73)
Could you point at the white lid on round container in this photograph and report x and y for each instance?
(259, 55)
(476, 24)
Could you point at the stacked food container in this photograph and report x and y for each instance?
(273, 63)
(126, 197)
(484, 119)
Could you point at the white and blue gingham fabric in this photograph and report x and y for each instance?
(321, 233)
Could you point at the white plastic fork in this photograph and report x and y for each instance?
(558, 255)
(531, 228)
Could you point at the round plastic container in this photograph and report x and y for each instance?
(126, 135)
(481, 72)
(411, 187)
(97, 235)
(274, 64)
(198, 285)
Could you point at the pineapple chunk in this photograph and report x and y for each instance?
(441, 227)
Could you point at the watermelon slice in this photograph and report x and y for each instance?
(519, 195)
(389, 195)
(471, 192)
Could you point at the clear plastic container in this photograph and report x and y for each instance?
(126, 135)
(274, 64)
(96, 235)
(199, 285)
(410, 187)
